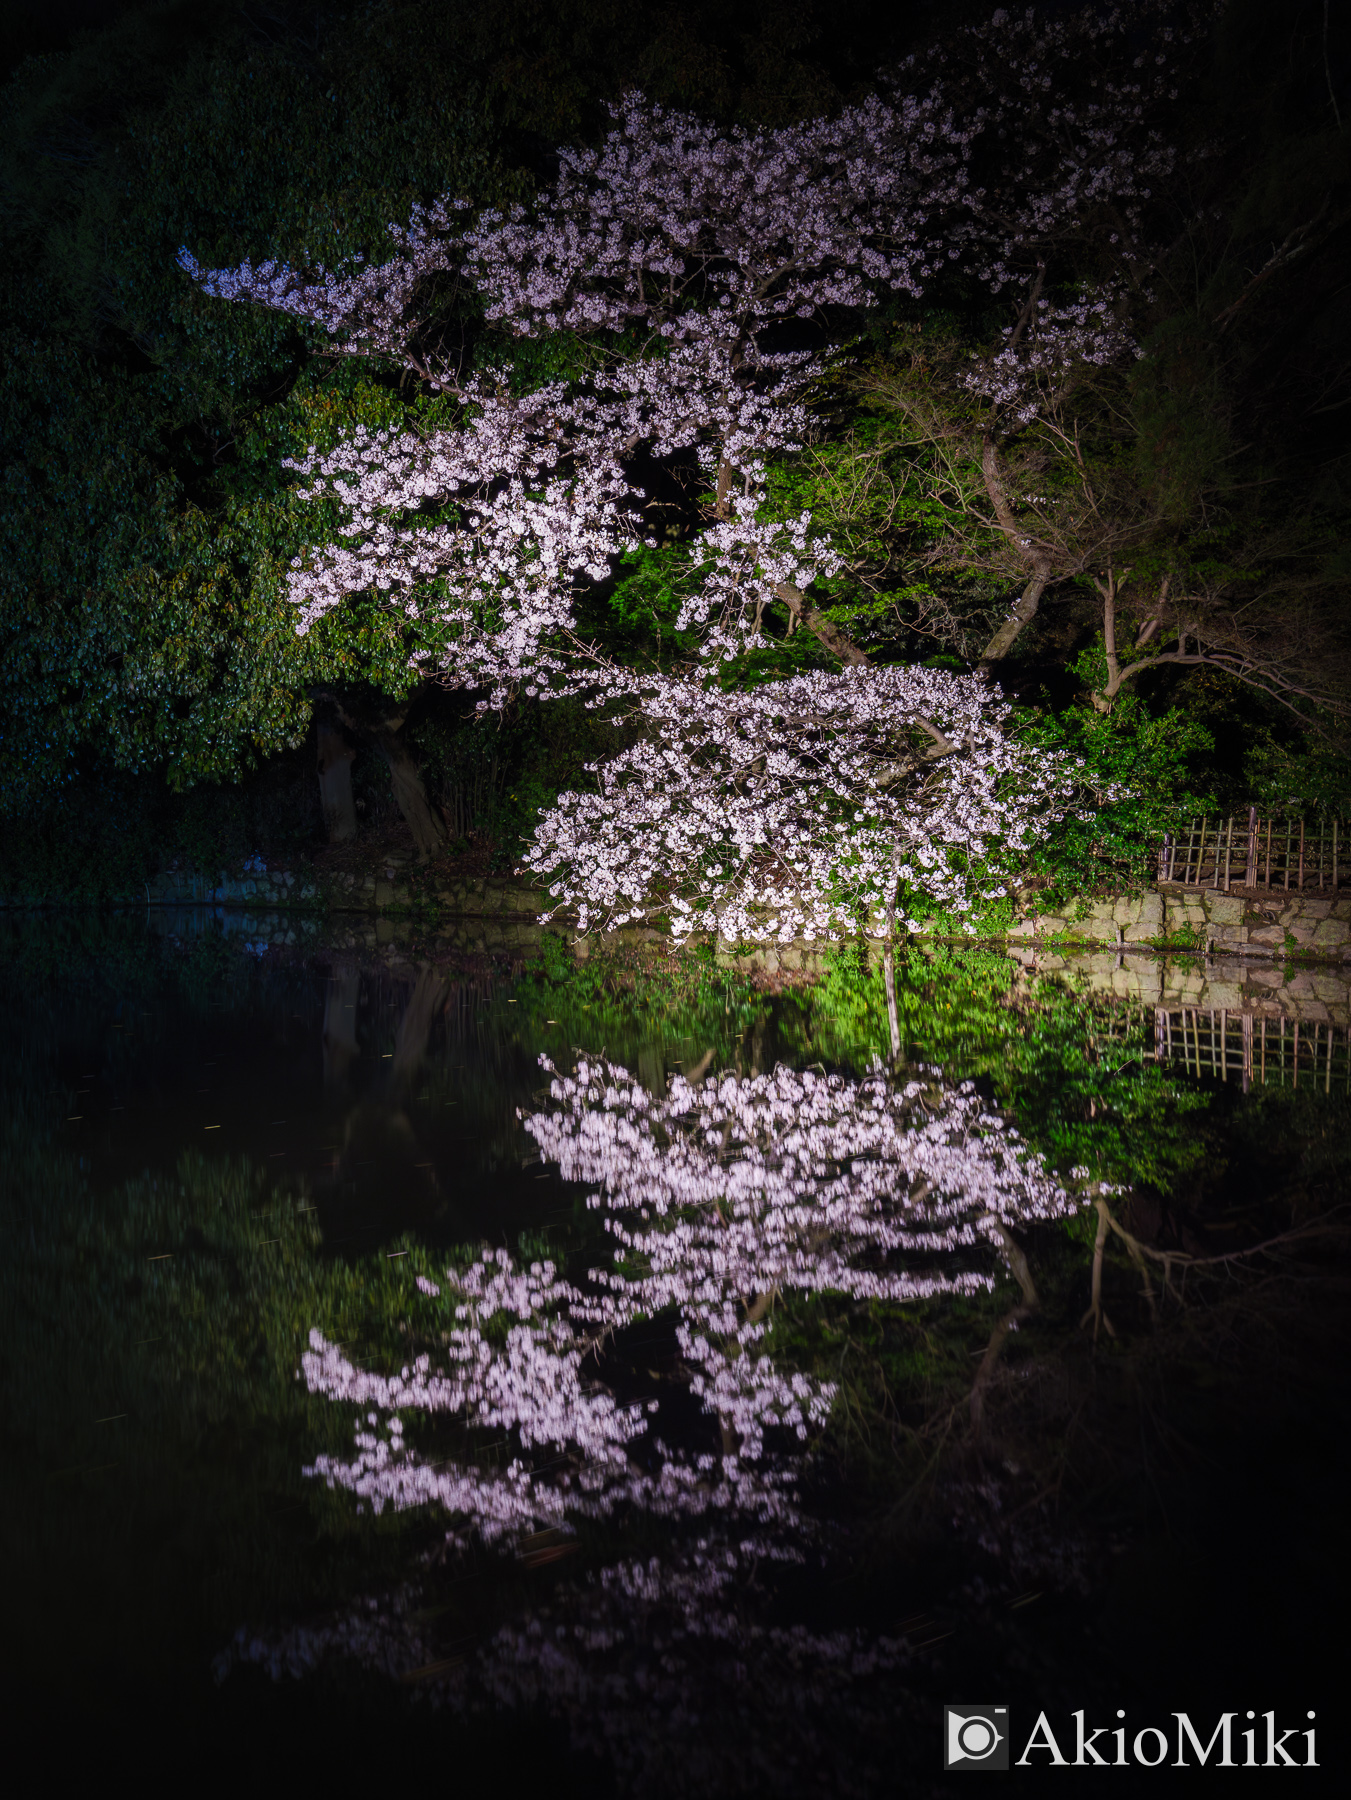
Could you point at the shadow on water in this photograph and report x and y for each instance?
(696, 1415)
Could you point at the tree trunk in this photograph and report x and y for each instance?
(335, 785)
(340, 1028)
(722, 504)
(1037, 559)
(1022, 615)
(426, 824)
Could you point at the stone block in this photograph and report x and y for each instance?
(1223, 909)
(1313, 1012)
(1149, 983)
(1331, 934)
(384, 893)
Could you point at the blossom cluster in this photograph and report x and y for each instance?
(801, 807)
(1033, 366)
(1018, 132)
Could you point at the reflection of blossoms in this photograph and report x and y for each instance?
(659, 1664)
(722, 1200)
(719, 1200)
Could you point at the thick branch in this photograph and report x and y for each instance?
(1016, 1259)
(838, 642)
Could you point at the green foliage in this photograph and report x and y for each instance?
(642, 1011)
(1138, 774)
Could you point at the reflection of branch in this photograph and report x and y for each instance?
(1181, 1259)
(1016, 1259)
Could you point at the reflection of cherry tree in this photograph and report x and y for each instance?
(720, 1199)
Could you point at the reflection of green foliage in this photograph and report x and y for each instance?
(153, 1418)
(627, 1006)
(1074, 1070)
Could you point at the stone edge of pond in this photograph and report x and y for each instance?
(1166, 919)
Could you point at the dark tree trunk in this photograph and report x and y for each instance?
(335, 785)
(426, 824)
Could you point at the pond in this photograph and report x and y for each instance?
(616, 1375)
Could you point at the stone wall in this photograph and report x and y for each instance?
(1251, 922)
(1314, 993)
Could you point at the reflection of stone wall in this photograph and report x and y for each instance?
(1318, 994)
(1313, 995)
(1261, 923)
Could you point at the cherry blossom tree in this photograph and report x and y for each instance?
(681, 248)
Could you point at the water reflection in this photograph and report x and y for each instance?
(567, 1434)
(720, 1200)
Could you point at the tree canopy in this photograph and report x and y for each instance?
(1100, 379)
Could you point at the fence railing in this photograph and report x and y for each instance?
(1254, 1049)
(1256, 850)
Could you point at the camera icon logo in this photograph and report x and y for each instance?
(975, 1737)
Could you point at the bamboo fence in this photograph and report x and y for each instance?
(1275, 852)
(1254, 1049)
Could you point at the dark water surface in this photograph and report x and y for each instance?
(376, 1398)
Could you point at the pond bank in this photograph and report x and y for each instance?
(499, 913)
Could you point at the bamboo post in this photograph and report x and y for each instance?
(1289, 839)
(1200, 852)
(1327, 1078)
(1264, 1052)
(1224, 1041)
(1250, 872)
(1268, 880)
(1301, 854)
(1294, 1059)
(1247, 1051)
